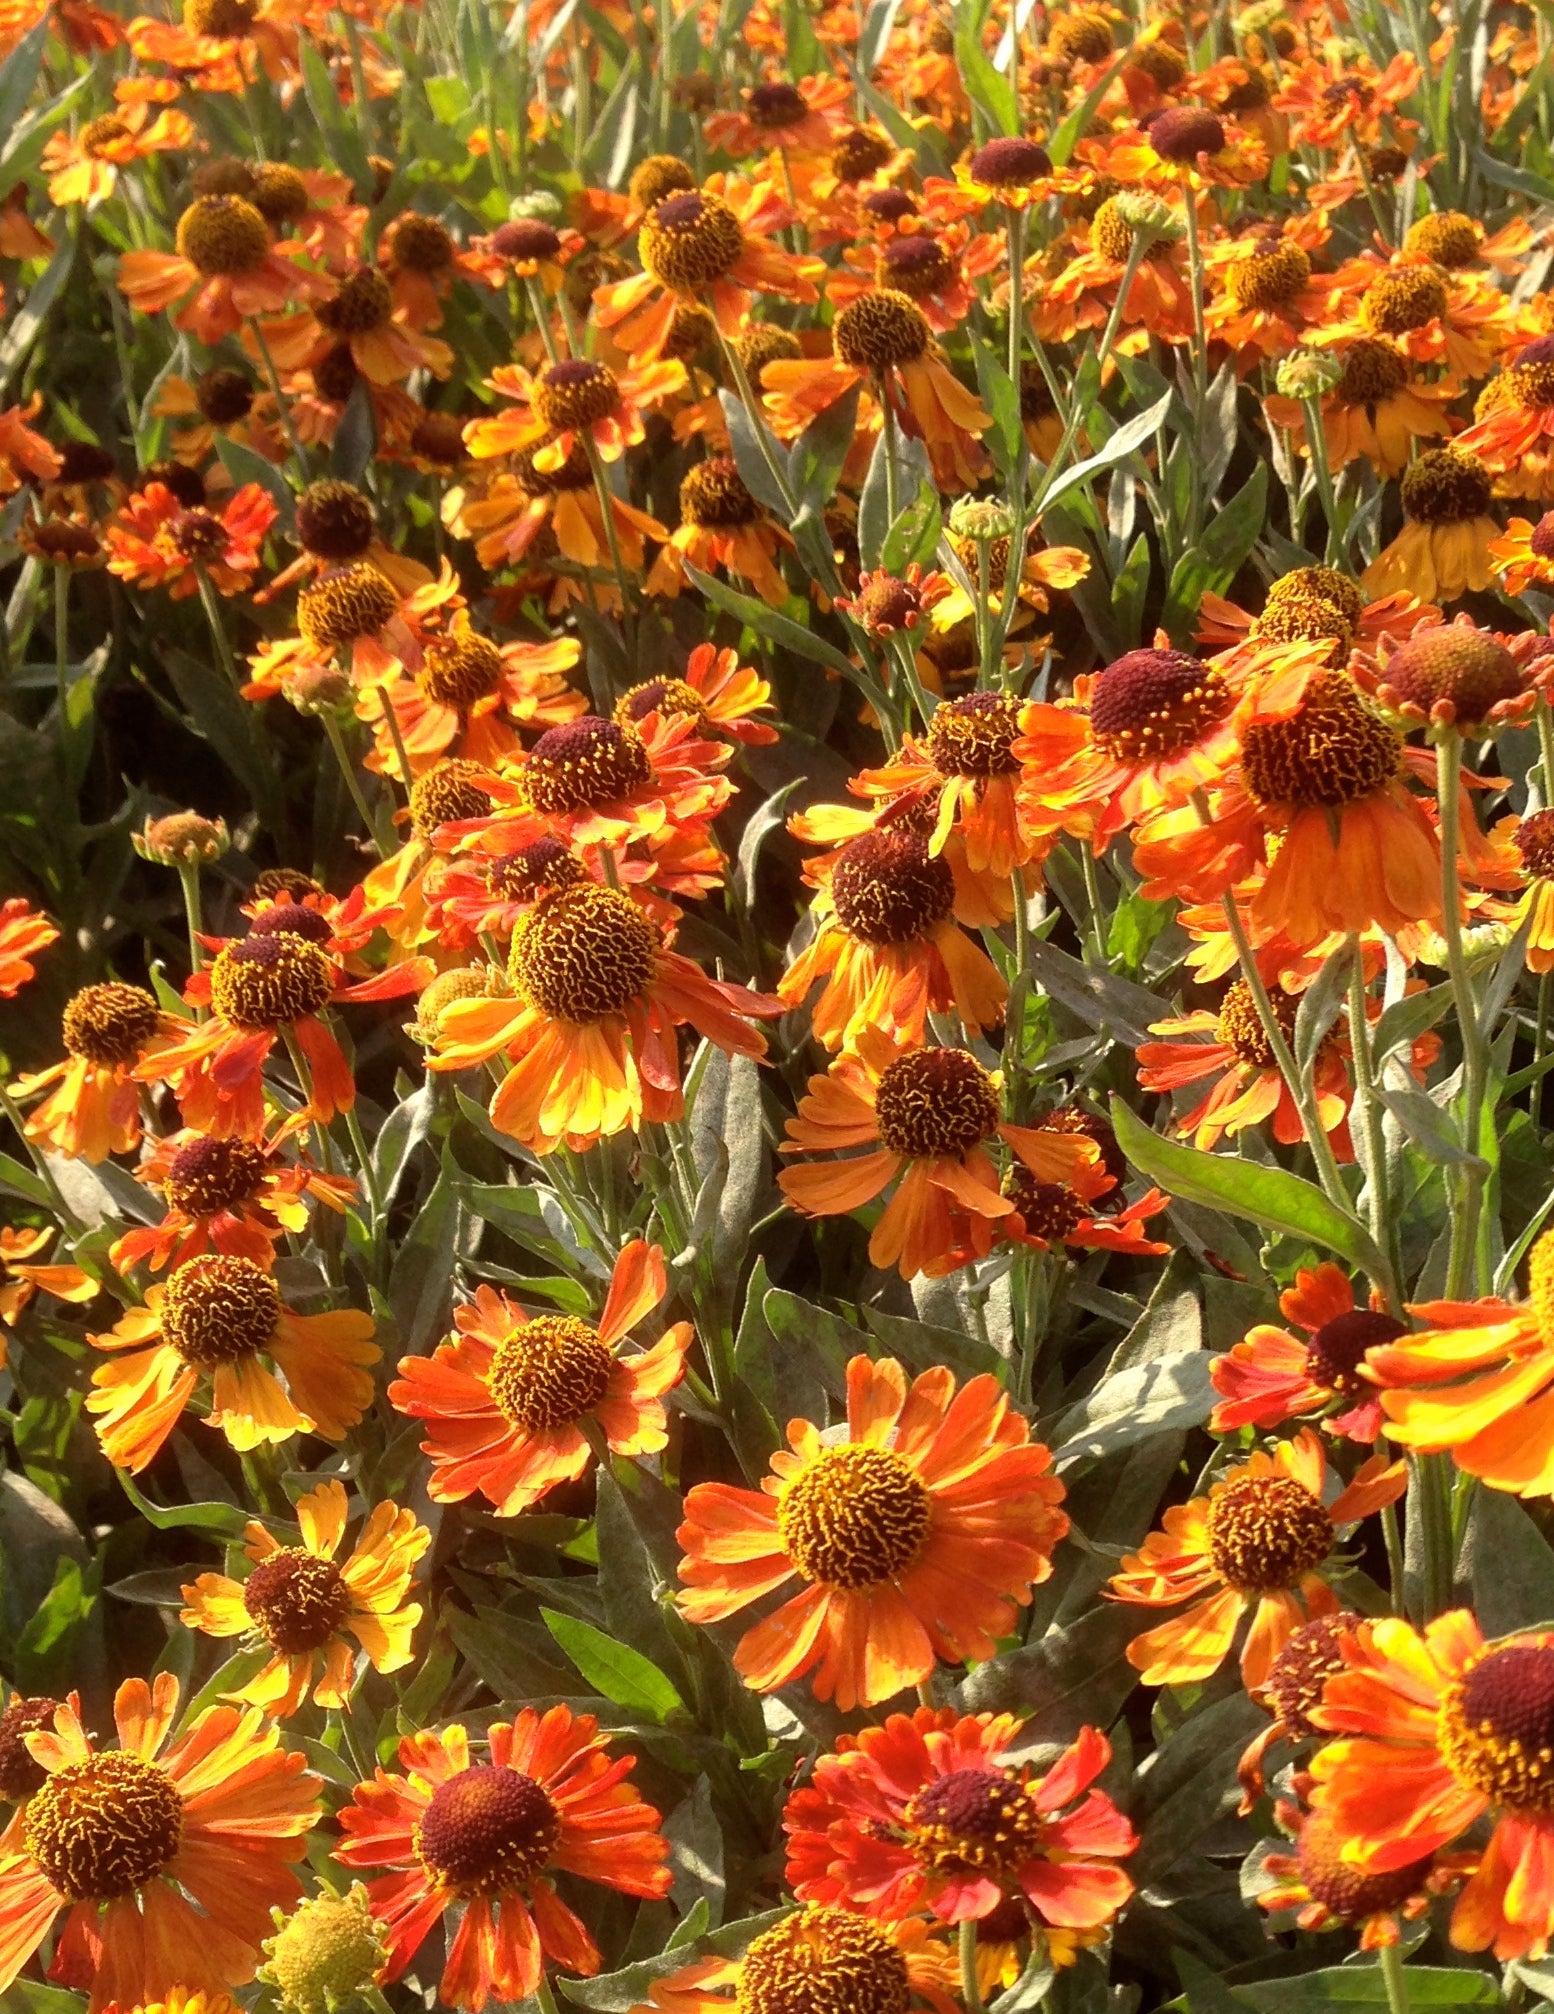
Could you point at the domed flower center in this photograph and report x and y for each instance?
(689, 241)
(1272, 277)
(974, 1818)
(102, 1828)
(365, 302)
(1447, 238)
(575, 393)
(1541, 540)
(1466, 668)
(438, 438)
(1530, 386)
(673, 697)
(1312, 1654)
(20, 1776)
(1249, 95)
(335, 375)
(714, 497)
(107, 1024)
(916, 265)
(880, 331)
(1540, 1286)
(267, 982)
(335, 521)
(1110, 233)
(100, 136)
(859, 154)
(420, 244)
(219, 1308)
(285, 884)
(222, 235)
(582, 953)
(1496, 1727)
(544, 863)
(1333, 752)
(488, 1829)
(974, 736)
(936, 1101)
(1085, 37)
(774, 105)
(585, 762)
(1182, 132)
(823, 1961)
(1342, 1887)
(464, 982)
(1010, 163)
(458, 671)
(62, 543)
(1442, 486)
(855, 1516)
(1241, 1028)
(448, 793)
(660, 175)
(1373, 372)
(211, 1175)
(342, 607)
(549, 1372)
(1535, 843)
(764, 343)
(280, 195)
(1311, 603)
(1265, 1532)
(886, 605)
(1161, 62)
(1152, 704)
(890, 205)
(223, 397)
(573, 474)
(525, 240)
(198, 535)
(292, 919)
(1407, 298)
(1049, 1210)
(297, 1600)
(220, 17)
(888, 888)
(1337, 1350)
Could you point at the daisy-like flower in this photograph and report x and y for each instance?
(1533, 841)
(1513, 429)
(1086, 1210)
(156, 541)
(929, 1116)
(1326, 1891)
(884, 603)
(25, 456)
(1434, 317)
(1376, 412)
(505, 513)
(305, 1609)
(936, 270)
(24, 932)
(167, 1860)
(337, 526)
(20, 1280)
(1268, 294)
(468, 697)
(1523, 556)
(421, 260)
(220, 402)
(589, 1029)
(1475, 1383)
(924, 1813)
(1271, 1376)
(227, 262)
(916, 1537)
(1190, 148)
(1080, 295)
(93, 1109)
(800, 118)
(888, 946)
(715, 690)
(818, 1959)
(700, 248)
(1442, 552)
(356, 612)
(569, 402)
(1011, 171)
(221, 1317)
(507, 1397)
(882, 339)
(488, 1838)
(1252, 1548)
(722, 525)
(1438, 1732)
(361, 317)
(84, 167)
(1291, 1693)
(1449, 675)
(1248, 1088)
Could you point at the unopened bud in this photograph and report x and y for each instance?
(982, 519)
(541, 203)
(1148, 215)
(325, 1954)
(319, 688)
(182, 839)
(1308, 374)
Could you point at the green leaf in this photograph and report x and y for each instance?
(222, 1520)
(913, 473)
(1069, 134)
(244, 466)
(19, 72)
(997, 391)
(1341, 1987)
(614, 1670)
(914, 537)
(1128, 437)
(985, 86)
(1099, 998)
(1211, 563)
(1409, 1018)
(816, 457)
(1271, 1197)
(766, 621)
(1508, 1563)
(356, 437)
(1132, 1404)
(421, 1280)
(751, 463)
(27, 322)
(340, 127)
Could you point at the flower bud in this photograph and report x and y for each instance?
(981, 518)
(543, 204)
(182, 839)
(325, 1953)
(319, 688)
(1308, 374)
(1148, 215)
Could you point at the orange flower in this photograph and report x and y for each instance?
(490, 1837)
(24, 932)
(1376, 411)
(222, 1316)
(508, 1396)
(1252, 1547)
(569, 403)
(716, 691)
(1513, 428)
(156, 542)
(589, 1031)
(506, 512)
(722, 525)
(24, 454)
(224, 1195)
(1271, 1376)
(1442, 552)
(94, 1111)
(1438, 1732)
(1523, 556)
(1533, 840)
(168, 1864)
(1082, 1210)
(301, 1607)
(801, 118)
(916, 1537)
(226, 260)
(831, 1957)
(20, 1281)
(1434, 317)
(468, 697)
(930, 1113)
(84, 167)
(359, 317)
(1326, 1890)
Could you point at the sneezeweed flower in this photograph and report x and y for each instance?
(1326, 1891)
(1271, 1376)
(1438, 1732)
(722, 525)
(84, 167)
(801, 118)
(24, 453)
(820, 1961)
(222, 1317)
(1188, 147)
(468, 697)
(21, 1280)
(569, 402)
(157, 541)
(506, 513)
(885, 604)
(196, 1841)
(1248, 1088)
(94, 1109)
(925, 1813)
(304, 1608)
(715, 690)
(589, 1031)
(1533, 840)
(24, 932)
(1451, 676)
(887, 945)
(325, 1954)
(224, 1195)
(1442, 552)
(361, 316)
(1085, 1211)
(1474, 1383)
(1375, 411)
(511, 1396)
(916, 1537)
(1523, 555)
(1513, 429)
(227, 261)
(1253, 1548)
(337, 526)
(929, 1116)
(1291, 1693)
(488, 1838)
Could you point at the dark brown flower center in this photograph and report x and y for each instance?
(1152, 704)
(888, 888)
(488, 1829)
(584, 762)
(296, 1600)
(880, 331)
(448, 793)
(211, 1175)
(1496, 1728)
(935, 1101)
(268, 982)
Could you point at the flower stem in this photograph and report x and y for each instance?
(541, 314)
(218, 629)
(347, 769)
(273, 377)
(1016, 286)
(1392, 1977)
(401, 753)
(1469, 1253)
(611, 535)
(1367, 1099)
(970, 1991)
(189, 876)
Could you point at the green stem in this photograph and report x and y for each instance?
(1368, 1100)
(347, 769)
(62, 649)
(273, 377)
(611, 535)
(210, 602)
(970, 1990)
(539, 307)
(1016, 283)
(1136, 254)
(1316, 441)
(1466, 1246)
(1392, 1977)
(189, 876)
(741, 377)
(401, 753)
